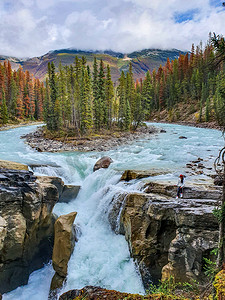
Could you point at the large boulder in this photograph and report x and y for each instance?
(26, 225)
(64, 242)
(103, 162)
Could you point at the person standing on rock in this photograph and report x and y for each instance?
(180, 186)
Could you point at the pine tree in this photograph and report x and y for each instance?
(95, 94)
(55, 108)
(127, 120)
(102, 115)
(147, 95)
(121, 91)
(4, 111)
(109, 95)
(86, 106)
(207, 110)
(138, 111)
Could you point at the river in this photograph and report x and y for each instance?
(101, 257)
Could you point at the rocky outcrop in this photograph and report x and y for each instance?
(67, 192)
(5, 164)
(103, 162)
(96, 293)
(135, 174)
(166, 236)
(64, 242)
(26, 224)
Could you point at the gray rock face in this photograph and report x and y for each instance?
(103, 162)
(69, 192)
(26, 225)
(166, 236)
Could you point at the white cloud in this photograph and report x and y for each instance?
(33, 27)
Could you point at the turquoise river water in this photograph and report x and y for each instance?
(101, 257)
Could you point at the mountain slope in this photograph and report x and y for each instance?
(142, 61)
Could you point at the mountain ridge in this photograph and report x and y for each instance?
(142, 61)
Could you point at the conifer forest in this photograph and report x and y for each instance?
(84, 100)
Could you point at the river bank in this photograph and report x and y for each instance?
(207, 125)
(12, 126)
(102, 142)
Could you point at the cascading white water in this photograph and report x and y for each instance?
(101, 257)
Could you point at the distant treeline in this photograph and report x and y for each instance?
(21, 95)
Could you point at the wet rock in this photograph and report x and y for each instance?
(103, 162)
(134, 174)
(165, 236)
(189, 165)
(4, 164)
(218, 180)
(158, 231)
(194, 192)
(97, 293)
(34, 166)
(195, 161)
(64, 241)
(69, 192)
(163, 131)
(200, 166)
(182, 137)
(26, 225)
(56, 181)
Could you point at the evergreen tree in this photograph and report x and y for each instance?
(147, 95)
(207, 110)
(101, 96)
(127, 120)
(4, 110)
(86, 107)
(121, 90)
(95, 94)
(109, 95)
(138, 113)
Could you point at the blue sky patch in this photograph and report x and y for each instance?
(187, 16)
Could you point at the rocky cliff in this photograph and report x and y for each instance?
(168, 236)
(26, 223)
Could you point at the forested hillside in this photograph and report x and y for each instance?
(21, 95)
(190, 88)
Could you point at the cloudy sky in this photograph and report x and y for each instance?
(33, 27)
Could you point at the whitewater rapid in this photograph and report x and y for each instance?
(101, 257)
